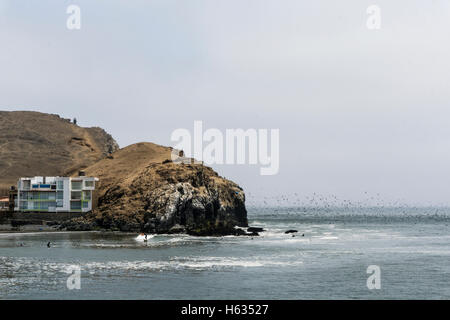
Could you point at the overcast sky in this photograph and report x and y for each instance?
(364, 115)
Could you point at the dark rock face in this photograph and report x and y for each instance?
(255, 229)
(176, 229)
(199, 213)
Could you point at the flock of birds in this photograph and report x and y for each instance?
(316, 200)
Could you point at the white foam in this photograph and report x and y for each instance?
(174, 264)
(142, 237)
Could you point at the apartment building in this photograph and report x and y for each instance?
(55, 194)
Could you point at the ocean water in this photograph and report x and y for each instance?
(411, 246)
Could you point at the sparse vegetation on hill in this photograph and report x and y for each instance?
(34, 143)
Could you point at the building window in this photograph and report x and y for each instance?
(77, 185)
(59, 203)
(86, 204)
(86, 195)
(75, 205)
(26, 184)
(60, 185)
(59, 195)
(89, 184)
(75, 195)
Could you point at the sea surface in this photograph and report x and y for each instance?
(411, 247)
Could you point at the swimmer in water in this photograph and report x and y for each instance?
(48, 244)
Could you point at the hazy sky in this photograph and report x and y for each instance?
(362, 113)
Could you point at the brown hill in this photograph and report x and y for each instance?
(38, 144)
(125, 165)
(141, 189)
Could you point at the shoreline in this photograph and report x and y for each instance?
(42, 232)
(45, 229)
(34, 228)
(8, 228)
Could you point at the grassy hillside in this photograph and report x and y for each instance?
(38, 144)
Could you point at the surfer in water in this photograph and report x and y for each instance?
(48, 244)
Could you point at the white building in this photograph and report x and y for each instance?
(55, 194)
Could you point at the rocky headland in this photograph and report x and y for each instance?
(142, 189)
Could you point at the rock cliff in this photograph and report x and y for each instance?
(141, 189)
